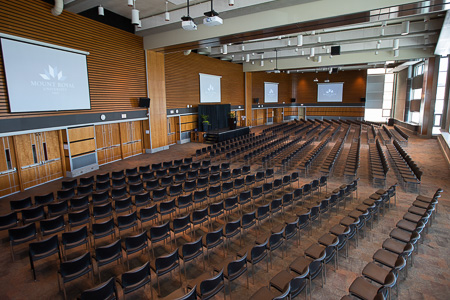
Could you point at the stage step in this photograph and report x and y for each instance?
(211, 138)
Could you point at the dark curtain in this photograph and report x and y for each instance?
(218, 115)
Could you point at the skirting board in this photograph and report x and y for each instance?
(184, 141)
(82, 171)
(156, 149)
(445, 147)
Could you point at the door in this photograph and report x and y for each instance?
(107, 138)
(131, 138)
(39, 157)
(9, 178)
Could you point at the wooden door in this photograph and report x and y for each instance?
(278, 117)
(107, 138)
(172, 130)
(39, 157)
(131, 138)
(9, 179)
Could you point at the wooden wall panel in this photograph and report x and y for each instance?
(80, 133)
(116, 64)
(9, 179)
(284, 86)
(107, 137)
(183, 81)
(248, 98)
(335, 111)
(172, 130)
(354, 85)
(189, 122)
(131, 138)
(157, 94)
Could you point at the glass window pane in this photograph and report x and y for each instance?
(439, 107)
(33, 149)
(376, 71)
(387, 104)
(417, 94)
(373, 114)
(389, 78)
(387, 96)
(437, 120)
(442, 78)
(443, 64)
(440, 93)
(8, 159)
(386, 112)
(415, 117)
(436, 130)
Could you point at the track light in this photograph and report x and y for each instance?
(300, 40)
(140, 24)
(130, 3)
(247, 58)
(230, 2)
(319, 39)
(312, 52)
(225, 49)
(378, 46)
(101, 11)
(382, 32)
(262, 63)
(405, 27)
(316, 80)
(242, 47)
(167, 14)
(396, 53)
(135, 16)
(319, 59)
(396, 44)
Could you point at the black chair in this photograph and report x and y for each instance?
(107, 254)
(102, 186)
(142, 199)
(213, 192)
(262, 212)
(180, 224)
(17, 205)
(79, 218)
(192, 295)
(276, 240)
(126, 221)
(244, 198)
(69, 184)
(117, 174)
(230, 204)
(106, 290)
(239, 183)
(191, 251)
(151, 184)
(159, 195)
(213, 239)
(103, 229)
(232, 270)
(202, 182)
(136, 188)
(167, 164)
(123, 205)
(135, 279)
(144, 169)
(73, 239)
(131, 172)
(135, 243)
(57, 209)
(147, 214)
(102, 211)
(119, 193)
(157, 166)
(246, 170)
(42, 249)
(166, 208)
(236, 173)
(31, 215)
(99, 198)
(248, 220)
(254, 255)
(62, 195)
(165, 264)
(175, 190)
(206, 287)
(267, 189)
(159, 233)
(200, 196)
(230, 230)
(52, 226)
(84, 190)
(265, 293)
(87, 180)
(184, 201)
(8, 221)
(189, 186)
(103, 177)
(166, 181)
(150, 175)
(44, 199)
(198, 217)
(73, 269)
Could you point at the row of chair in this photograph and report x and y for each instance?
(371, 134)
(307, 161)
(353, 159)
(378, 277)
(270, 159)
(330, 160)
(292, 158)
(248, 138)
(378, 163)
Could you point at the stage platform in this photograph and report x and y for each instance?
(219, 135)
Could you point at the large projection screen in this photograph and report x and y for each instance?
(210, 88)
(270, 92)
(40, 78)
(330, 92)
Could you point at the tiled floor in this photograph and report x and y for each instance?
(429, 278)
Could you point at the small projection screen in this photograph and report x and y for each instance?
(330, 92)
(40, 78)
(210, 88)
(270, 92)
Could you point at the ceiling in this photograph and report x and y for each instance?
(291, 35)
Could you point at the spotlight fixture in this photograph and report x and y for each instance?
(405, 27)
(130, 3)
(187, 22)
(316, 80)
(247, 57)
(276, 62)
(326, 80)
(139, 25)
(167, 14)
(230, 2)
(382, 32)
(212, 17)
(376, 52)
(299, 40)
(396, 44)
(262, 63)
(378, 46)
(312, 52)
(242, 47)
(101, 11)
(319, 59)
(225, 49)
(135, 16)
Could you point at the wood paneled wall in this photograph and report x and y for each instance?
(284, 85)
(116, 64)
(354, 85)
(335, 111)
(183, 81)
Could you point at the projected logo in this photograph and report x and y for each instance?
(271, 92)
(53, 74)
(54, 81)
(210, 88)
(330, 93)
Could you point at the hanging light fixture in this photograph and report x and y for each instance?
(276, 62)
(134, 15)
(130, 3)
(167, 14)
(262, 60)
(187, 22)
(101, 11)
(230, 2)
(319, 59)
(396, 44)
(212, 17)
(300, 40)
(405, 27)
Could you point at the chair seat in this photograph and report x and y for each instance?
(424, 198)
(339, 229)
(407, 225)
(375, 273)
(401, 235)
(364, 289)
(421, 204)
(316, 251)
(347, 221)
(386, 258)
(412, 217)
(264, 294)
(328, 239)
(300, 265)
(280, 280)
(355, 214)
(397, 246)
(417, 210)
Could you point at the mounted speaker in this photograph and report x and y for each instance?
(293, 100)
(144, 102)
(334, 70)
(255, 100)
(363, 99)
(335, 50)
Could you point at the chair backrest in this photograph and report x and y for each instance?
(237, 267)
(102, 227)
(31, 214)
(135, 241)
(159, 230)
(44, 246)
(108, 251)
(181, 222)
(213, 236)
(127, 219)
(165, 262)
(19, 233)
(106, 290)
(232, 226)
(191, 295)
(285, 294)
(52, 224)
(74, 236)
(199, 214)
(44, 199)
(210, 287)
(190, 248)
(20, 204)
(136, 278)
(76, 266)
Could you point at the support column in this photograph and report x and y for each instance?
(248, 99)
(430, 75)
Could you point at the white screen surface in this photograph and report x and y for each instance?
(270, 92)
(330, 92)
(44, 79)
(210, 88)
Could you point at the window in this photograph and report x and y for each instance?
(440, 95)
(418, 70)
(382, 111)
(44, 146)
(33, 148)
(8, 159)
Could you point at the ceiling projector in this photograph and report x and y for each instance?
(188, 23)
(213, 21)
